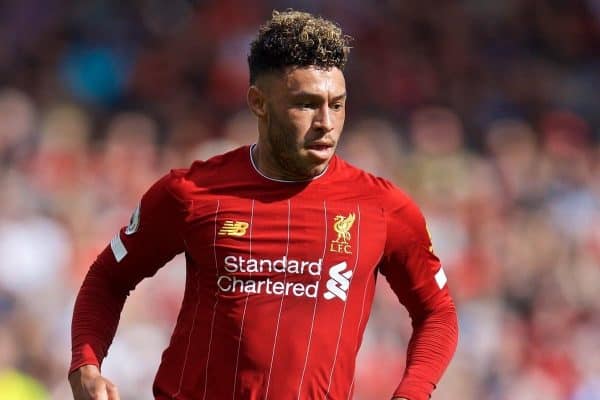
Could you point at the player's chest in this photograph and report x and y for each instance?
(250, 236)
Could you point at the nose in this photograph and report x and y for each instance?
(324, 119)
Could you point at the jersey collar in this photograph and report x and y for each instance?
(284, 180)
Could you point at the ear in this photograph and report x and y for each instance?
(257, 101)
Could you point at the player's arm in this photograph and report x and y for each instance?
(417, 278)
(152, 238)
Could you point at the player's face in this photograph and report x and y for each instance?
(304, 117)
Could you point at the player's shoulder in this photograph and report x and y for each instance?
(386, 191)
(202, 174)
(218, 164)
(403, 215)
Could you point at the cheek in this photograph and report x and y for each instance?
(338, 126)
(340, 118)
(284, 134)
(299, 124)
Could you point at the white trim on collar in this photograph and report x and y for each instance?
(281, 180)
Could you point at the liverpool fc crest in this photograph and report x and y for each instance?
(342, 226)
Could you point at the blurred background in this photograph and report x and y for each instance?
(486, 112)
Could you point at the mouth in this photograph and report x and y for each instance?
(320, 150)
(319, 146)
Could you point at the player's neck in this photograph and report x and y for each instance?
(269, 169)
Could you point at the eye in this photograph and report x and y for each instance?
(337, 106)
(307, 104)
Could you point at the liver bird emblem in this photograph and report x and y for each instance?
(342, 226)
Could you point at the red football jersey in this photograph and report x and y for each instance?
(280, 281)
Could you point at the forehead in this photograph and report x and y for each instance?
(311, 80)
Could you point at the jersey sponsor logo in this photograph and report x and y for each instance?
(233, 228)
(235, 264)
(233, 282)
(339, 282)
(134, 221)
(269, 274)
(342, 226)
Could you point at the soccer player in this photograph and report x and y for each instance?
(283, 242)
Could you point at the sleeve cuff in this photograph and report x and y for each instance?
(83, 355)
(414, 390)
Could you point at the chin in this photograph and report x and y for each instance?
(309, 167)
(317, 170)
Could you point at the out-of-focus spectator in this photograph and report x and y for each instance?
(18, 115)
(377, 145)
(18, 386)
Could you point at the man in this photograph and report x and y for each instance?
(283, 241)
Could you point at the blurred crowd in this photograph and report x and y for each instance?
(486, 113)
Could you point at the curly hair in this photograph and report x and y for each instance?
(295, 38)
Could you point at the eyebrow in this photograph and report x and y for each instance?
(309, 94)
(339, 97)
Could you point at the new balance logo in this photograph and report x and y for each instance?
(233, 228)
(338, 284)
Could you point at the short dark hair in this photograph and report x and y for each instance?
(295, 38)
